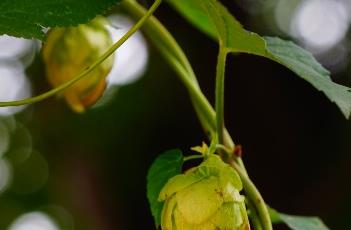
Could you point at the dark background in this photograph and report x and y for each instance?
(295, 141)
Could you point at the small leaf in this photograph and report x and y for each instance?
(201, 149)
(23, 18)
(303, 222)
(297, 222)
(220, 24)
(166, 166)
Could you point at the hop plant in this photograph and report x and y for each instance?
(68, 51)
(204, 198)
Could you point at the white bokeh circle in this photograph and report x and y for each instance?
(14, 85)
(34, 221)
(132, 57)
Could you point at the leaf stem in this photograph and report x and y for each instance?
(192, 157)
(90, 68)
(220, 77)
(255, 197)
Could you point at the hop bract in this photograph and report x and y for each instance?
(204, 198)
(68, 51)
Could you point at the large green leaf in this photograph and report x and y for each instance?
(297, 222)
(303, 64)
(166, 166)
(27, 18)
(220, 24)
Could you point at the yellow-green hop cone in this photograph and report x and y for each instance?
(68, 51)
(204, 198)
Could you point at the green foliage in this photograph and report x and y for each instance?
(297, 222)
(221, 24)
(166, 166)
(27, 18)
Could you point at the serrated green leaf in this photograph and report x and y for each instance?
(303, 64)
(297, 222)
(27, 18)
(220, 24)
(166, 166)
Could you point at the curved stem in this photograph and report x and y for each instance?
(175, 56)
(170, 49)
(220, 76)
(253, 215)
(87, 70)
(255, 197)
(159, 34)
(204, 108)
(168, 46)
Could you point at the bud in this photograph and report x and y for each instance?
(204, 198)
(68, 51)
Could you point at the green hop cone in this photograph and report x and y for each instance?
(68, 51)
(204, 198)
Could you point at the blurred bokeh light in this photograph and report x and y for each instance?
(15, 55)
(21, 145)
(34, 221)
(4, 138)
(131, 58)
(30, 175)
(14, 85)
(5, 174)
(17, 49)
(320, 24)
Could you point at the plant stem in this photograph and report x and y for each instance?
(253, 215)
(159, 33)
(255, 197)
(90, 68)
(175, 56)
(192, 157)
(203, 107)
(168, 46)
(220, 77)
